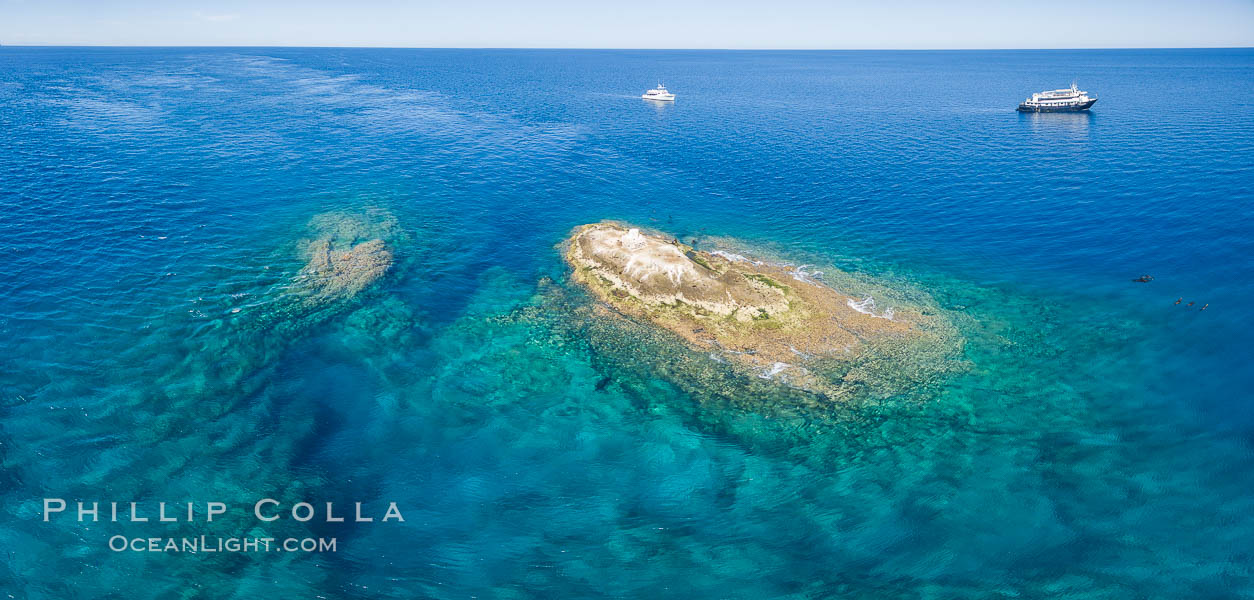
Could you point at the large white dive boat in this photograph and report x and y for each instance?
(1071, 99)
(659, 93)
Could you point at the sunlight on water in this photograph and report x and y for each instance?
(866, 306)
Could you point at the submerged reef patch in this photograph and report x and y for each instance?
(344, 254)
(771, 319)
(193, 408)
(337, 275)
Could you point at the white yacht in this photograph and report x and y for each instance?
(1071, 99)
(659, 93)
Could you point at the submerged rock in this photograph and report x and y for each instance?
(345, 255)
(775, 320)
(333, 275)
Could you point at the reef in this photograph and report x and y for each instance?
(774, 319)
(334, 275)
(344, 255)
(204, 387)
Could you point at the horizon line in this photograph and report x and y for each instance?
(590, 48)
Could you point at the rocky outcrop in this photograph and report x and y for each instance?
(771, 318)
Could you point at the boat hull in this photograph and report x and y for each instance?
(1027, 108)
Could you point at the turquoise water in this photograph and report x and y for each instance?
(1091, 439)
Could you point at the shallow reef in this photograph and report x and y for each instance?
(960, 470)
(194, 406)
(344, 254)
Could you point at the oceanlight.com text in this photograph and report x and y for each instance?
(211, 544)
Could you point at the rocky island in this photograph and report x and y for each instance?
(773, 319)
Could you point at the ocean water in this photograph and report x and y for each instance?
(158, 340)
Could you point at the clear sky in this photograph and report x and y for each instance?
(633, 23)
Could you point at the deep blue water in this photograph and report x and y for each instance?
(154, 204)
